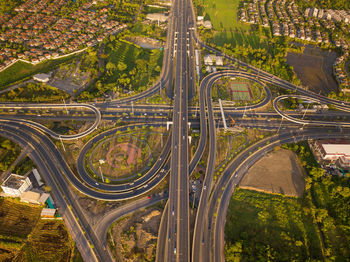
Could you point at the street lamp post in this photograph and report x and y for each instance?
(245, 108)
(101, 174)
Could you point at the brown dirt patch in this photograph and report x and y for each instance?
(135, 237)
(278, 172)
(129, 151)
(314, 69)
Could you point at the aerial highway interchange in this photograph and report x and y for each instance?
(178, 78)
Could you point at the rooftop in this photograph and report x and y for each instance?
(14, 181)
(336, 149)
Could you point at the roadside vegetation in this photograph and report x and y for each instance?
(9, 151)
(34, 92)
(24, 166)
(134, 237)
(280, 228)
(129, 69)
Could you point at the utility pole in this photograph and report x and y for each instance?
(280, 125)
(64, 149)
(305, 111)
(64, 101)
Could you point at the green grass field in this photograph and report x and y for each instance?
(226, 25)
(21, 70)
(274, 228)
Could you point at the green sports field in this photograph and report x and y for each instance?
(240, 92)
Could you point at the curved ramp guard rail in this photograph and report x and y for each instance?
(307, 122)
(54, 159)
(158, 168)
(204, 100)
(63, 106)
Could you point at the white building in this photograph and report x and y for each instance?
(157, 17)
(207, 24)
(213, 59)
(43, 78)
(48, 213)
(15, 185)
(333, 150)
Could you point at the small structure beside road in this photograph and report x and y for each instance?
(48, 213)
(43, 78)
(157, 17)
(15, 185)
(333, 152)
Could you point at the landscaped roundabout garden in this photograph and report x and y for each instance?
(124, 156)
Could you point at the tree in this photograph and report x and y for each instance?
(6, 144)
(122, 66)
(111, 67)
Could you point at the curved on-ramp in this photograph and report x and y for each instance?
(48, 131)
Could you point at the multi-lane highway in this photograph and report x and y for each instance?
(178, 228)
(179, 79)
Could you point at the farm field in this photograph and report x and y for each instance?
(49, 241)
(25, 237)
(17, 221)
